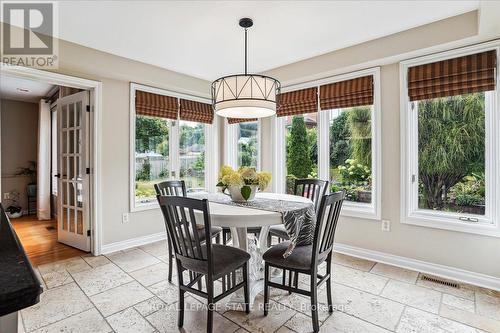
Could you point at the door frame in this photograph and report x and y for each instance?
(95, 89)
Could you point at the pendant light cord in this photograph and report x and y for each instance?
(245, 51)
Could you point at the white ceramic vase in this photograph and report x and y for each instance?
(235, 193)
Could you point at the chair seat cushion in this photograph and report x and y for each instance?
(201, 232)
(279, 231)
(226, 259)
(300, 258)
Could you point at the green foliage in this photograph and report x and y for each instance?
(247, 151)
(450, 144)
(150, 132)
(191, 135)
(298, 159)
(199, 164)
(361, 138)
(145, 173)
(354, 173)
(340, 147)
(312, 139)
(246, 191)
(470, 191)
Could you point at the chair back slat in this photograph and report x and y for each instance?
(313, 189)
(324, 233)
(171, 187)
(182, 222)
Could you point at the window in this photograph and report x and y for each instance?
(350, 146)
(339, 144)
(192, 154)
(171, 138)
(152, 151)
(301, 144)
(450, 147)
(242, 144)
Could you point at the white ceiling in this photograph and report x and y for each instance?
(203, 39)
(9, 86)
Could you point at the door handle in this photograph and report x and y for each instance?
(57, 175)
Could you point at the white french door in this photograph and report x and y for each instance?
(73, 173)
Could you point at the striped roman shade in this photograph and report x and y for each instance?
(298, 102)
(240, 120)
(346, 94)
(154, 105)
(196, 111)
(462, 75)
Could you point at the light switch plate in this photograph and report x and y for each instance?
(386, 225)
(125, 218)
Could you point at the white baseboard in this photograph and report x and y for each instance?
(129, 243)
(447, 272)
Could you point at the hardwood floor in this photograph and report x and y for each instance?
(39, 239)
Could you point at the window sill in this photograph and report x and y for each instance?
(364, 211)
(139, 207)
(448, 223)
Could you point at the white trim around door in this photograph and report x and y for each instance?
(95, 88)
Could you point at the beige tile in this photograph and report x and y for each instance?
(149, 306)
(469, 318)
(341, 322)
(488, 306)
(372, 308)
(151, 274)
(300, 323)
(20, 326)
(119, 298)
(129, 321)
(96, 261)
(395, 273)
(353, 262)
(89, 321)
(166, 291)
(282, 329)
(157, 248)
(257, 322)
(133, 260)
(358, 279)
(55, 304)
(463, 291)
(56, 278)
(303, 304)
(72, 265)
(419, 297)
(101, 278)
(195, 319)
(418, 321)
(458, 302)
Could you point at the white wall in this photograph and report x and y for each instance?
(470, 252)
(19, 135)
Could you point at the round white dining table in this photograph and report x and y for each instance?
(238, 219)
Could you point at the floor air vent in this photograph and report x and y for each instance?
(51, 228)
(440, 281)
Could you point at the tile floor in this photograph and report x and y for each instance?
(127, 291)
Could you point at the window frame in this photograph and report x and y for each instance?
(211, 136)
(410, 213)
(231, 144)
(370, 211)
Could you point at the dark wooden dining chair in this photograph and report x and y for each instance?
(306, 259)
(313, 189)
(178, 188)
(211, 261)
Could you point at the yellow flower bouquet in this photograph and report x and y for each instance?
(243, 183)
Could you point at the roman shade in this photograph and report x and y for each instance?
(346, 94)
(462, 75)
(154, 105)
(240, 120)
(298, 102)
(196, 111)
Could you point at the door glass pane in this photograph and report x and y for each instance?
(71, 115)
(192, 154)
(151, 156)
(79, 222)
(64, 118)
(78, 112)
(301, 148)
(71, 220)
(351, 152)
(65, 219)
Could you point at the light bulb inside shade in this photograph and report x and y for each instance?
(245, 109)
